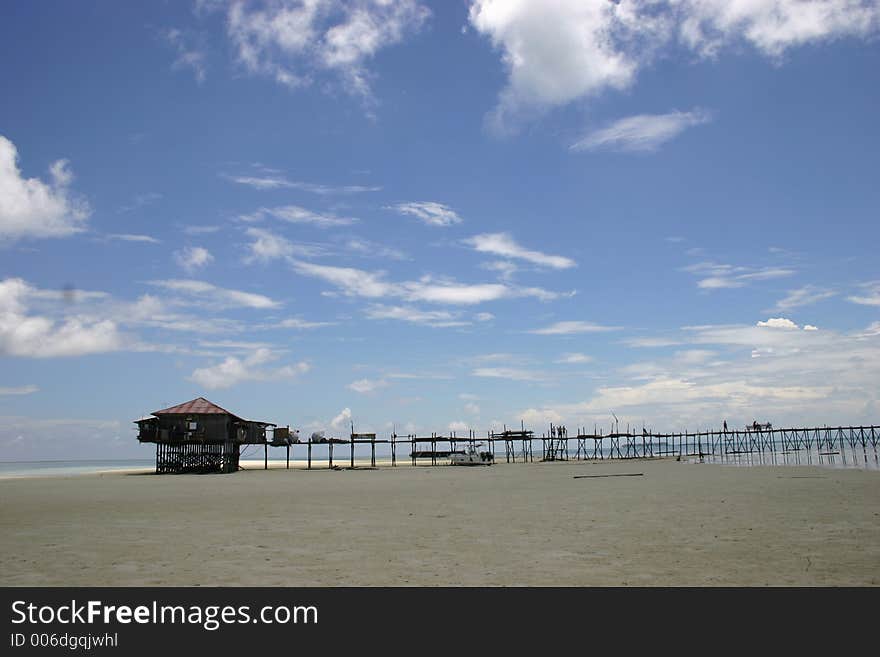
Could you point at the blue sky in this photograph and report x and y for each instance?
(436, 216)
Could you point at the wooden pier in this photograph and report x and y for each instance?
(556, 444)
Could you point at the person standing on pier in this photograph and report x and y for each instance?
(725, 426)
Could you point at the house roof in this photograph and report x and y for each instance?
(198, 406)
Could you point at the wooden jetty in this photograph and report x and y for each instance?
(199, 436)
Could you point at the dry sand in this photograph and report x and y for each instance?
(523, 524)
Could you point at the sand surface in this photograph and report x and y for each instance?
(522, 524)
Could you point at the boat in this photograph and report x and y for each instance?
(472, 457)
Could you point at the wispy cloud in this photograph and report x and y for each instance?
(191, 258)
(19, 390)
(870, 296)
(715, 276)
(572, 328)
(222, 296)
(429, 212)
(267, 246)
(644, 132)
(374, 285)
(188, 57)
(510, 373)
(293, 42)
(279, 182)
(502, 244)
(436, 318)
(126, 237)
(366, 386)
(295, 214)
(804, 296)
(574, 359)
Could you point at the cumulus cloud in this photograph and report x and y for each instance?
(561, 51)
(344, 418)
(191, 258)
(234, 370)
(644, 132)
(35, 336)
(502, 244)
(30, 207)
(429, 212)
(783, 323)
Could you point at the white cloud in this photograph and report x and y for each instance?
(218, 295)
(720, 276)
(268, 246)
(200, 230)
(301, 324)
(784, 323)
(644, 132)
(435, 318)
(187, 56)
(30, 207)
(34, 336)
(505, 268)
(870, 297)
(191, 258)
(293, 41)
(365, 386)
(372, 249)
(471, 408)
(778, 322)
(373, 285)
(19, 390)
(805, 296)
(127, 237)
(430, 212)
(557, 52)
(459, 427)
(278, 182)
(344, 418)
(502, 244)
(484, 317)
(295, 214)
(233, 370)
(572, 327)
(511, 373)
(575, 359)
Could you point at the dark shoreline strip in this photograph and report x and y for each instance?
(623, 474)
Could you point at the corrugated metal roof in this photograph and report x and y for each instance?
(198, 406)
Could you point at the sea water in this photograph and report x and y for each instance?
(15, 469)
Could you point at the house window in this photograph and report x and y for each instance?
(192, 426)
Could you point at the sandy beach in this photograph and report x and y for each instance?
(524, 524)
